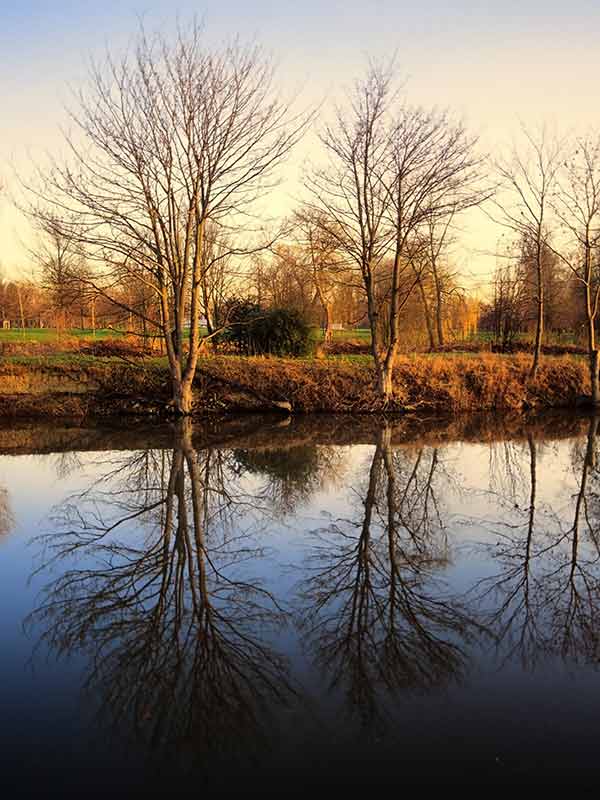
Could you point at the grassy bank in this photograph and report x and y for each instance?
(86, 385)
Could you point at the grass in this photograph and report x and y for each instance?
(69, 359)
(358, 334)
(348, 334)
(50, 334)
(353, 333)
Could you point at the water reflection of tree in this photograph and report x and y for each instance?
(374, 607)
(177, 636)
(544, 594)
(7, 519)
(293, 474)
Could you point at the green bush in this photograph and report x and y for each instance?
(257, 331)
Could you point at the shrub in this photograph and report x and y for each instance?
(255, 331)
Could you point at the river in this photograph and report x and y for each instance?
(267, 604)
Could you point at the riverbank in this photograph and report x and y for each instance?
(78, 387)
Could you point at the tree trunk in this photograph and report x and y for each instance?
(21, 308)
(386, 384)
(439, 315)
(532, 496)
(385, 378)
(427, 314)
(594, 364)
(383, 383)
(592, 351)
(328, 328)
(539, 327)
(208, 315)
(183, 397)
(384, 361)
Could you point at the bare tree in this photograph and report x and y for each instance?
(528, 178)
(348, 191)
(392, 169)
(419, 264)
(506, 311)
(435, 281)
(287, 281)
(577, 204)
(168, 137)
(438, 236)
(57, 256)
(322, 261)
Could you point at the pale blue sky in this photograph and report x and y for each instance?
(492, 62)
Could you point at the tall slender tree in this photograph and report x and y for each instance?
(528, 179)
(577, 204)
(392, 169)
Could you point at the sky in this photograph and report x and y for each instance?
(495, 64)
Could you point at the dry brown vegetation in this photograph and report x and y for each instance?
(124, 346)
(50, 346)
(439, 384)
(421, 383)
(76, 387)
(347, 347)
(482, 346)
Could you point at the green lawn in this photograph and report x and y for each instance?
(353, 333)
(360, 334)
(50, 334)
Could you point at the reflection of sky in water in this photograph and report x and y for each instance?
(481, 494)
(471, 482)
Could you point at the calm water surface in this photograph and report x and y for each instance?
(266, 605)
